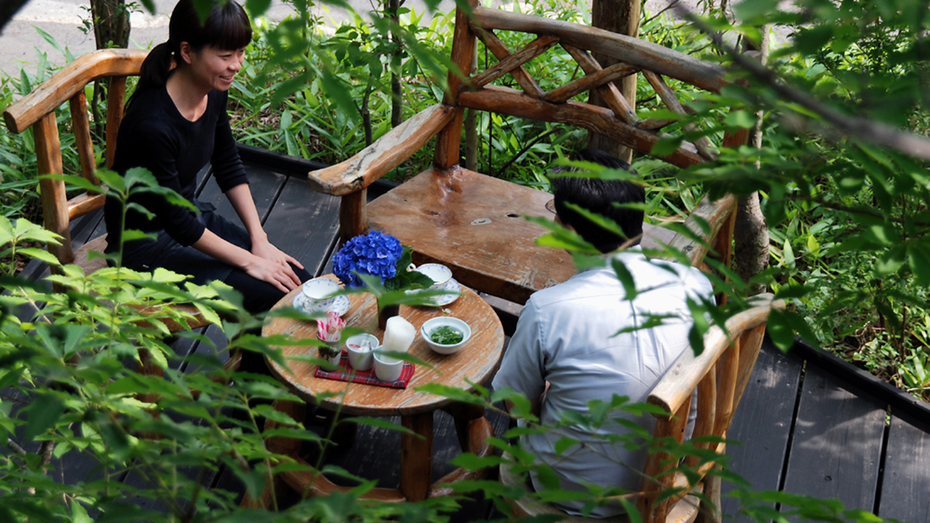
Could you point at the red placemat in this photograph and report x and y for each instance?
(365, 376)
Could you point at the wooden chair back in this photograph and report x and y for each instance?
(434, 200)
(719, 375)
(38, 111)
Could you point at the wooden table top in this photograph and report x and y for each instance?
(472, 223)
(476, 361)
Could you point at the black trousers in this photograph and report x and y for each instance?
(164, 252)
(259, 296)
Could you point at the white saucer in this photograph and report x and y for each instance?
(337, 304)
(445, 299)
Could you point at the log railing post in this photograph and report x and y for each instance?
(448, 142)
(115, 102)
(655, 477)
(80, 126)
(54, 201)
(353, 218)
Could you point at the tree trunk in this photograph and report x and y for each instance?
(397, 99)
(750, 241)
(621, 17)
(111, 29)
(8, 9)
(111, 23)
(751, 234)
(471, 128)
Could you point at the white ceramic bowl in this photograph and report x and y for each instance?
(440, 274)
(388, 368)
(361, 359)
(432, 324)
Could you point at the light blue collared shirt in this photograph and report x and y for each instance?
(566, 336)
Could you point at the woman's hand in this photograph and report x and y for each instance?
(279, 274)
(265, 262)
(264, 249)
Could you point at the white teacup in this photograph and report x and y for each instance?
(440, 274)
(361, 349)
(388, 368)
(317, 291)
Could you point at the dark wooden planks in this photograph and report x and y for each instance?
(905, 489)
(304, 224)
(837, 443)
(263, 183)
(298, 221)
(762, 423)
(901, 402)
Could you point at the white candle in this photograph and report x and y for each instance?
(398, 335)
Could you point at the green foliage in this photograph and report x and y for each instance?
(848, 219)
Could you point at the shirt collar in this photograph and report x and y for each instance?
(635, 250)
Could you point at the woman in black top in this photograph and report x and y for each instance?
(175, 124)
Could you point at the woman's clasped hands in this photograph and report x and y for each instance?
(272, 265)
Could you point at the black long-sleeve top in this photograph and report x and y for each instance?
(154, 135)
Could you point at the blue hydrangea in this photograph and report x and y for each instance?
(373, 253)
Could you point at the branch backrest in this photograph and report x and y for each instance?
(38, 111)
(719, 375)
(618, 121)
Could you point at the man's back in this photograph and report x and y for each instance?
(566, 335)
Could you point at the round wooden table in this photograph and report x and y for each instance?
(475, 363)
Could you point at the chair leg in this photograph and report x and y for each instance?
(147, 367)
(707, 513)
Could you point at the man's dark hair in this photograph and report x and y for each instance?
(600, 197)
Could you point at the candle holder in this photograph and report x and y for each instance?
(331, 351)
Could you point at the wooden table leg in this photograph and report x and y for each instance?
(278, 445)
(281, 445)
(416, 456)
(473, 431)
(465, 416)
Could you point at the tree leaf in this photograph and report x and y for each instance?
(383, 423)
(742, 119)
(626, 279)
(78, 513)
(43, 413)
(470, 461)
(788, 254)
(547, 477)
(563, 444)
(891, 260)
(666, 145)
(918, 255)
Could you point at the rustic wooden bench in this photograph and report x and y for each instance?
(472, 222)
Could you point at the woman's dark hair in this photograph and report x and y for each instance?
(227, 27)
(600, 197)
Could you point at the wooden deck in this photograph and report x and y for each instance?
(807, 424)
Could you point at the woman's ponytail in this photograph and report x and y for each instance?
(155, 68)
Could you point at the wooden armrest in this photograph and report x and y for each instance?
(69, 81)
(683, 377)
(384, 154)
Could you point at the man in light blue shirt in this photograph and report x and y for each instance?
(566, 351)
